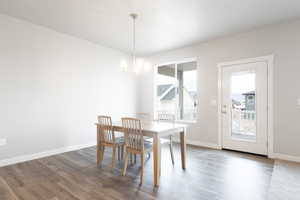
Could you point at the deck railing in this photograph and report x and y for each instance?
(188, 114)
(243, 121)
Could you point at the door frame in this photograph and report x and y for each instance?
(270, 105)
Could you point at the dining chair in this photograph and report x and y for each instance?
(107, 138)
(165, 117)
(145, 117)
(134, 142)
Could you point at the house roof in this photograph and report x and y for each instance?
(249, 93)
(162, 89)
(235, 102)
(170, 95)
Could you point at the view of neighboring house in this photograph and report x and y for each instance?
(237, 104)
(246, 101)
(249, 100)
(167, 96)
(243, 114)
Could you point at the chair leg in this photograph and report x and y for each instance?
(113, 158)
(122, 152)
(131, 160)
(101, 154)
(142, 168)
(171, 150)
(98, 154)
(125, 163)
(119, 153)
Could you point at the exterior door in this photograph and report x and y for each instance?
(244, 107)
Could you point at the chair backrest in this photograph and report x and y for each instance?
(133, 133)
(166, 117)
(107, 134)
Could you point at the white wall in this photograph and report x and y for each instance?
(281, 40)
(53, 86)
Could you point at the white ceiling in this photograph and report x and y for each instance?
(161, 25)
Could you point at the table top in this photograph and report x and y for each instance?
(154, 127)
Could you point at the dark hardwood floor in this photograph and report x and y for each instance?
(210, 175)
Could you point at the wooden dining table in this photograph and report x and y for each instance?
(156, 130)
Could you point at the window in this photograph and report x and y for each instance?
(176, 90)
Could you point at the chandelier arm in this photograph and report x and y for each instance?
(133, 48)
(133, 16)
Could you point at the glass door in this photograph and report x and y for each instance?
(244, 107)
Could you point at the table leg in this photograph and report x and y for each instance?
(159, 153)
(183, 149)
(156, 159)
(98, 146)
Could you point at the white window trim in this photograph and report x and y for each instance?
(193, 59)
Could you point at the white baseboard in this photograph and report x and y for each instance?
(277, 156)
(280, 156)
(25, 158)
(200, 144)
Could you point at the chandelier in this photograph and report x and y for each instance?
(137, 64)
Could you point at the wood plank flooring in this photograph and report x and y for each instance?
(285, 183)
(210, 175)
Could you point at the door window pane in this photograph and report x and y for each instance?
(243, 108)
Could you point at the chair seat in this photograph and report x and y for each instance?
(162, 140)
(148, 145)
(119, 140)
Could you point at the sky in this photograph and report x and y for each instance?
(242, 83)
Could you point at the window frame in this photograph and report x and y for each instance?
(193, 59)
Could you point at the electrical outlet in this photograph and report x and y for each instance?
(2, 142)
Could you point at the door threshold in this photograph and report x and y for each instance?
(244, 152)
